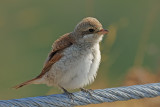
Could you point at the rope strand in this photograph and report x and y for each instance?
(82, 98)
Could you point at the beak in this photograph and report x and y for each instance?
(103, 32)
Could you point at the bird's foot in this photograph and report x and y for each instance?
(89, 91)
(70, 95)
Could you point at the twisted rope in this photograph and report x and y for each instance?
(82, 98)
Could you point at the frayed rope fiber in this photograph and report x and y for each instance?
(82, 98)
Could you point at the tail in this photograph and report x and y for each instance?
(32, 81)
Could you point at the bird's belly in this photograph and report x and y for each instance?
(77, 70)
(82, 72)
(77, 75)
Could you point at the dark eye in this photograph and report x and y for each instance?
(91, 30)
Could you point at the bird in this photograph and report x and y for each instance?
(74, 58)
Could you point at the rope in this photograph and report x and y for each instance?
(82, 98)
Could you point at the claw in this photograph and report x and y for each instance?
(89, 91)
(70, 95)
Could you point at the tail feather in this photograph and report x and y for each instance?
(25, 83)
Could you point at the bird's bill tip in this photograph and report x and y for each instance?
(103, 31)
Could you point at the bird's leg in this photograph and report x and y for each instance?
(70, 95)
(90, 91)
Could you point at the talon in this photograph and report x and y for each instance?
(70, 95)
(89, 91)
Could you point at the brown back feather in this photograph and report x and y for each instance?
(56, 54)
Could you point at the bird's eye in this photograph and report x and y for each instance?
(91, 30)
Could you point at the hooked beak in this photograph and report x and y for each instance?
(103, 32)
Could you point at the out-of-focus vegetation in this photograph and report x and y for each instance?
(130, 52)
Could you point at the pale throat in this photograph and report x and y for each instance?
(93, 38)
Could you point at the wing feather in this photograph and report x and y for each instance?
(56, 54)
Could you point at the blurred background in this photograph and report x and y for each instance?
(130, 52)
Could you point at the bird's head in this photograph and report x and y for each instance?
(89, 30)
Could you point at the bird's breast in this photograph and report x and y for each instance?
(78, 67)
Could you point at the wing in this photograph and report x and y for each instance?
(56, 53)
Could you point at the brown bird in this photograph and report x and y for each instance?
(74, 59)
